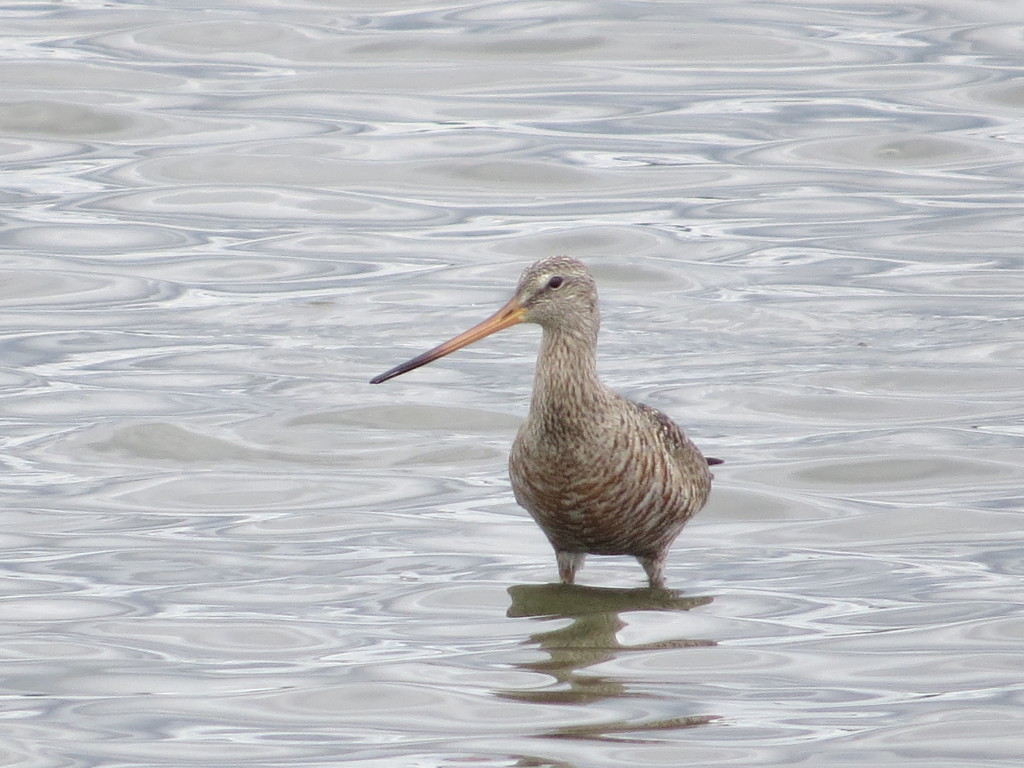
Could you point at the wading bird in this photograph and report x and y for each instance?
(599, 473)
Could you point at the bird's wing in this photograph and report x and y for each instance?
(671, 433)
(666, 429)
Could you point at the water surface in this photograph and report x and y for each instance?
(222, 546)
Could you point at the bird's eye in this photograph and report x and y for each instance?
(556, 281)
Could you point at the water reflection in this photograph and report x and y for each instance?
(591, 638)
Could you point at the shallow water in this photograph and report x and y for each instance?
(221, 545)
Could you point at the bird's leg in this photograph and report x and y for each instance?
(655, 568)
(568, 564)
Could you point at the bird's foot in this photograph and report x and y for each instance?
(654, 567)
(568, 564)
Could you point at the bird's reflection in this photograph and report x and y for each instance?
(591, 638)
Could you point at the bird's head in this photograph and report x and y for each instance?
(556, 293)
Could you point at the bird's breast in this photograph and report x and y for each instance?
(613, 490)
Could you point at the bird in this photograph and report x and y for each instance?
(599, 473)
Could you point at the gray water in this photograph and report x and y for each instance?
(222, 546)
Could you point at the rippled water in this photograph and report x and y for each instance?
(222, 546)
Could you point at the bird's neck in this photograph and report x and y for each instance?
(566, 385)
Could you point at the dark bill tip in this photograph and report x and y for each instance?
(510, 314)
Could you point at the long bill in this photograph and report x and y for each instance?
(512, 313)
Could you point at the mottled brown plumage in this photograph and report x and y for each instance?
(599, 473)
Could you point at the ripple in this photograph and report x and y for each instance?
(425, 708)
(76, 405)
(352, 143)
(80, 75)
(221, 168)
(231, 493)
(110, 239)
(695, 44)
(1001, 38)
(59, 609)
(107, 680)
(601, 245)
(732, 504)
(233, 639)
(318, 432)
(218, 39)
(436, 601)
(269, 172)
(961, 734)
(929, 382)
(19, 379)
(892, 151)
(416, 417)
(111, 356)
(978, 282)
(814, 205)
(248, 203)
(63, 120)
(169, 442)
(998, 632)
(78, 290)
(270, 273)
(37, 151)
(833, 407)
(917, 80)
(262, 595)
(975, 90)
(1008, 96)
(909, 524)
(921, 473)
(497, 174)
